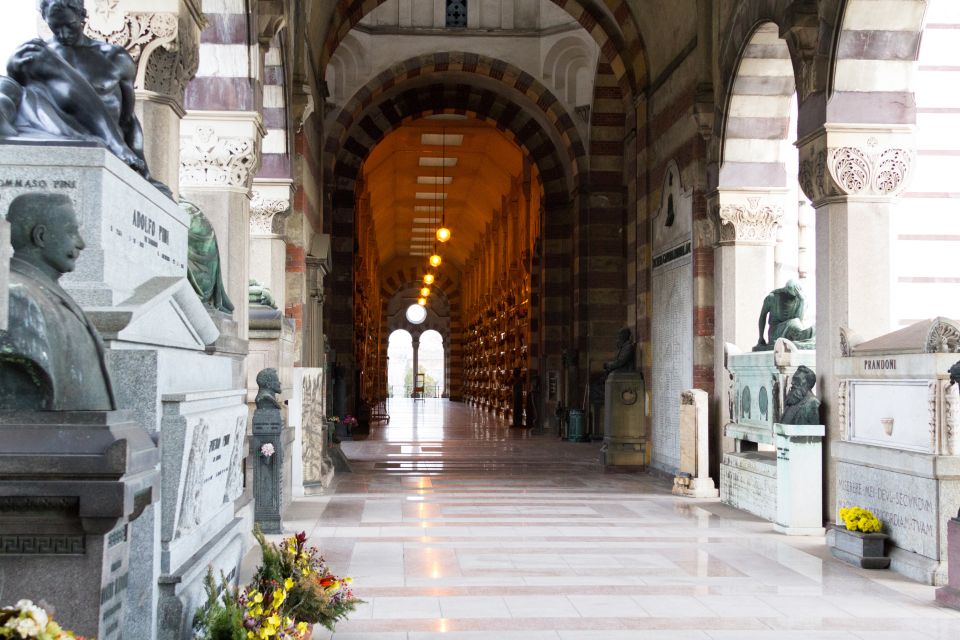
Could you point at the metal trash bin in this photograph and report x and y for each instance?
(575, 427)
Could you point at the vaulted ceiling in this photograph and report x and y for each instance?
(451, 165)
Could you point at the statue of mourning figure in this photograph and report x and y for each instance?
(800, 405)
(51, 356)
(72, 87)
(782, 317)
(204, 270)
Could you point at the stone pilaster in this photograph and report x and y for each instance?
(747, 223)
(853, 174)
(269, 209)
(219, 156)
(163, 37)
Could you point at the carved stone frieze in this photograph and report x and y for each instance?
(932, 414)
(164, 45)
(267, 214)
(754, 221)
(943, 337)
(842, 396)
(210, 160)
(951, 419)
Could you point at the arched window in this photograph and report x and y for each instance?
(457, 13)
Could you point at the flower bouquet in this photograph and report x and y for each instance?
(291, 591)
(26, 620)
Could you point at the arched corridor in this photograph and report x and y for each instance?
(543, 319)
(459, 526)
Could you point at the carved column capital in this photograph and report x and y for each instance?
(269, 207)
(748, 217)
(164, 42)
(856, 162)
(220, 150)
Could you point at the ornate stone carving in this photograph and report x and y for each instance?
(943, 337)
(234, 486)
(209, 160)
(52, 544)
(266, 214)
(867, 170)
(951, 419)
(842, 395)
(754, 222)
(165, 46)
(932, 413)
(191, 508)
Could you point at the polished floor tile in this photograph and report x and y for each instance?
(455, 526)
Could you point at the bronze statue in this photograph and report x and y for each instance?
(51, 356)
(203, 260)
(626, 351)
(269, 383)
(801, 406)
(259, 294)
(954, 372)
(784, 308)
(72, 87)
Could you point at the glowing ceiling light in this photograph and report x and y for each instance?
(435, 260)
(425, 291)
(443, 234)
(422, 302)
(428, 279)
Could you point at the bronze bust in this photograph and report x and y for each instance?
(51, 356)
(269, 386)
(800, 405)
(72, 87)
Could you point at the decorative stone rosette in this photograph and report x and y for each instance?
(855, 165)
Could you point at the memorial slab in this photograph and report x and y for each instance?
(132, 231)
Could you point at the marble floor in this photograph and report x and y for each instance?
(453, 526)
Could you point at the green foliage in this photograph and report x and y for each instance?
(221, 618)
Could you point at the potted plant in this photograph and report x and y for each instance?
(860, 541)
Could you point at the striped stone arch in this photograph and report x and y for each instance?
(408, 277)
(609, 22)
(465, 83)
(757, 113)
(873, 71)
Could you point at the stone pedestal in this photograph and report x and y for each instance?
(694, 480)
(133, 233)
(268, 470)
(65, 524)
(624, 431)
(6, 252)
(799, 473)
(950, 594)
(774, 471)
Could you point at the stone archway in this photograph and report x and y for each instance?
(481, 88)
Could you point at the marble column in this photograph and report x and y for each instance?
(163, 37)
(219, 156)
(853, 174)
(743, 271)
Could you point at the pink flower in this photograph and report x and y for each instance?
(267, 450)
